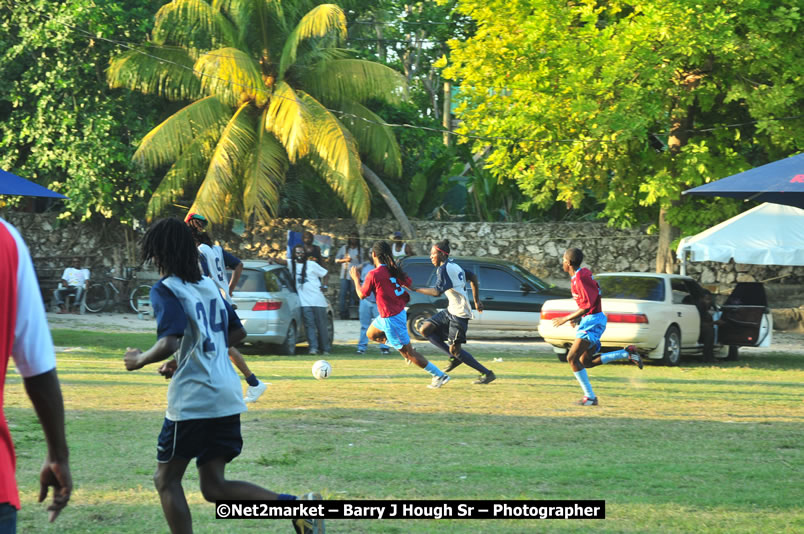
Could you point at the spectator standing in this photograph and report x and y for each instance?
(312, 251)
(349, 255)
(400, 249)
(24, 335)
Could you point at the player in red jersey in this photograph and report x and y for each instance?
(386, 281)
(591, 326)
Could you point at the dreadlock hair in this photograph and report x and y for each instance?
(443, 248)
(170, 244)
(383, 252)
(200, 236)
(293, 265)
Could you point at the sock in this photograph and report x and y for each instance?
(285, 496)
(252, 381)
(470, 360)
(614, 356)
(583, 380)
(433, 370)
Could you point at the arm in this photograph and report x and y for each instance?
(433, 292)
(355, 274)
(558, 321)
(236, 335)
(475, 290)
(235, 277)
(162, 350)
(45, 394)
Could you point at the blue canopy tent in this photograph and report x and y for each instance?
(11, 184)
(780, 182)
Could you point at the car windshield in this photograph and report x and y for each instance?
(251, 281)
(631, 287)
(527, 275)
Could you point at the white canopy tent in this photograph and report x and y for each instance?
(769, 234)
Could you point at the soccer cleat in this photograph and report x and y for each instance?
(309, 525)
(487, 378)
(586, 401)
(453, 363)
(253, 392)
(384, 351)
(438, 381)
(633, 356)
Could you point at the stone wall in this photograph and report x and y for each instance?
(536, 246)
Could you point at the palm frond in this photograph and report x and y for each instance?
(232, 76)
(216, 197)
(193, 24)
(165, 143)
(185, 174)
(377, 141)
(355, 79)
(264, 175)
(286, 119)
(318, 22)
(333, 152)
(155, 71)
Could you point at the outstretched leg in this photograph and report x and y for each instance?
(167, 480)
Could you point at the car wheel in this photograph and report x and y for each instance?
(289, 345)
(733, 354)
(416, 320)
(672, 346)
(562, 356)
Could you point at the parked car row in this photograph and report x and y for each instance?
(655, 312)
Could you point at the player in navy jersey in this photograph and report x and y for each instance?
(214, 261)
(204, 396)
(591, 326)
(451, 324)
(386, 281)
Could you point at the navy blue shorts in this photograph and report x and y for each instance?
(202, 439)
(450, 328)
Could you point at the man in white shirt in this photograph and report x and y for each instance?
(73, 283)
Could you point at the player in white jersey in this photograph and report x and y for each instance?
(214, 261)
(450, 325)
(204, 397)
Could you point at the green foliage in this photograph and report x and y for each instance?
(60, 125)
(270, 84)
(616, 100)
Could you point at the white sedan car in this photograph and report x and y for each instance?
(657, 313)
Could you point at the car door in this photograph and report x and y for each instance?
(507, 299)
(745, 316)
(684, 311)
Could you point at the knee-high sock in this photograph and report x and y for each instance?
(583, 380)
(609, 357)
(463, 357)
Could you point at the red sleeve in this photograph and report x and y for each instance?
(587, 288)
(368, 284)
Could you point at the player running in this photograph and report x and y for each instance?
(451, 324)
(581, 355)
(386, 281)
(204, 400)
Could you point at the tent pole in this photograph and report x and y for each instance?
(684, 262)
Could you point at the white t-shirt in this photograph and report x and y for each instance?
(310, 294)
(75, 277)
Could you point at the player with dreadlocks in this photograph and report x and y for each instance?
(204, 396)
(213, 261)
(386, 281)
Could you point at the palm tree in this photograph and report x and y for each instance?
(269, 86)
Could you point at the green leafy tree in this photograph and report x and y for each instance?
(631, 103)
(267, 81)
(59, 123)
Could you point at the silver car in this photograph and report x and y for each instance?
(269, 308)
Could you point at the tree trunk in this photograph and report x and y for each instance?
(389, 198)
(665, 260)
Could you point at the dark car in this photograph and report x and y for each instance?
(512, 296)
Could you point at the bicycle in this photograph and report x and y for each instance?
(99, 295)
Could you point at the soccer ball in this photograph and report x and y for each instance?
(321, 369)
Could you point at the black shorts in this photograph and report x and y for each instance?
(202, 439)
(450, 328)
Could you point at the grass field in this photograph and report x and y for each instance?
(695, 448)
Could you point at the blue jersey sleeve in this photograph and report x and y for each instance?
(169, 313)
(234, 320)
(230, 260)
(443, 280)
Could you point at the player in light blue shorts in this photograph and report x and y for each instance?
(395, 328)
